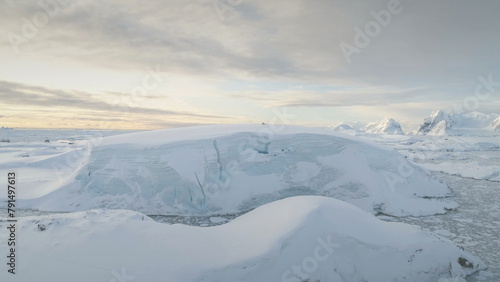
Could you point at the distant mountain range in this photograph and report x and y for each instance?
(442, 123)
(439, 123)
(386, 126)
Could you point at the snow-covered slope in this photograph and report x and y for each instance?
(467, 123)
(343, 127)
(234, 168)
(440, 129)
(431, 122)
(386, 126)
(495, 125)
(296, 239)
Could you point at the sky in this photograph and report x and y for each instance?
(131, 64)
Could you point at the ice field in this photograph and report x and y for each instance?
(268, 193)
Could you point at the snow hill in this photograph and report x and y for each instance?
(230, 169)
(303, 238)
(386, 126)
(468, 123)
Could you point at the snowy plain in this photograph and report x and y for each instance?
(228, 172)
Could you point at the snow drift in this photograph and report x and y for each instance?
(231, 169)
(297, 239)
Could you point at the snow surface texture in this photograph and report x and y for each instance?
(469, 123)
(303, 238)
(386, 126)
(215, 170)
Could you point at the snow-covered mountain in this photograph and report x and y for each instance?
(467, 123)
(440, 129)
(386, 126)
(342, 127)
(431, 123)
(306, 238)
(231, 169)
(495, 125)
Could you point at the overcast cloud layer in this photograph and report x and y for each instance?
(220, 61)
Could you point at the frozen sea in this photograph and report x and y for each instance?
(62, 136)
(475, 225)
(470, 166)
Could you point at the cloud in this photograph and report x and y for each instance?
(369, 96)
(431, 52)
(26, 95)
(296, 39)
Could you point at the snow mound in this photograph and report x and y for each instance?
(386, 126)
(467, 123)
(231, 169)
(297, 239)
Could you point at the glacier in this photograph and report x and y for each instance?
(229, 169)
